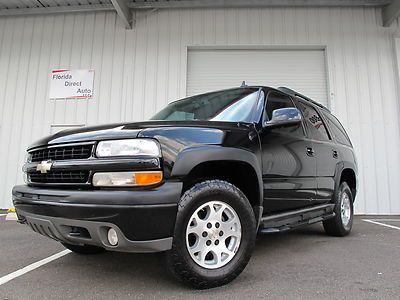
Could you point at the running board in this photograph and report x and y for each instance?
(295, 218)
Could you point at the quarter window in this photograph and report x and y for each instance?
(337, 130)
(314, 123)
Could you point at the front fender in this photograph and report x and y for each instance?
(191, 157)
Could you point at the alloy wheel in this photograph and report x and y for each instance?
(213, 234)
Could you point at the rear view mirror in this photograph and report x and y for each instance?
(284, 117)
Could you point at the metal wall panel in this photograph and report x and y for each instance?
(395, 27)
(138, 71)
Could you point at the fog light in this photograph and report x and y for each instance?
(112, 237)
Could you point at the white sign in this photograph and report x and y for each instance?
(71, 84)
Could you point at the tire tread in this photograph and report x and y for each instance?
(334, 226)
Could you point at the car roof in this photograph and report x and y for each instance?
(284, 90)
(289, 92)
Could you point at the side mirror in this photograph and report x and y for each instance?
(284, 117)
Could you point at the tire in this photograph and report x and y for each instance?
(229, 204)
(85, 249)
(342, 223)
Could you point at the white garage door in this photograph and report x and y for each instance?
(301, 70)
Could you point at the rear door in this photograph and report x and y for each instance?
(288, 171)
(324, 150)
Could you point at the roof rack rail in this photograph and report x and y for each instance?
(297, 94)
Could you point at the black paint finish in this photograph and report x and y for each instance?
(141, 215)
(294, 169)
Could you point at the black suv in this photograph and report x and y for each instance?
(199, 180)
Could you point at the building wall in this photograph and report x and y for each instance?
(395, 27)
(138, 71)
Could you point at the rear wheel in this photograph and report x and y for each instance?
(342, 223)
(85, 249)
(214, 235)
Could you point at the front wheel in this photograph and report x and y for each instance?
(214, 235)
(342, 223)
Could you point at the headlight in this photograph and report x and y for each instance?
(127, 178)
(131, 147)
(25, 177)
(28, 157)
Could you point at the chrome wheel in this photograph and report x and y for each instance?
(213, 234)
(345, 209)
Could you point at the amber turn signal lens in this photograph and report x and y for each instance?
(145, 178)
(126, 178)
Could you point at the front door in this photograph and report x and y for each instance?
(289, 169)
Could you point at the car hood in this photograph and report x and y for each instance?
(201, 132)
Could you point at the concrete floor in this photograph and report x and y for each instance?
(302, 264)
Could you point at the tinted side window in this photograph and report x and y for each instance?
(337, 130)
(313, 122)
(275, 101)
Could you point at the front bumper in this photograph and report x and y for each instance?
(143, 219)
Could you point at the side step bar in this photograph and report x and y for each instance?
(295, 218)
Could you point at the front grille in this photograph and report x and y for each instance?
(60, 177)
(62, 153)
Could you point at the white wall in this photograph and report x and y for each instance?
(138, 71)
(395, 27)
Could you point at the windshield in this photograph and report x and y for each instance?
(235, 105)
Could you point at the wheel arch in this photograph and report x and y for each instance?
(348, 174)
(237, 166)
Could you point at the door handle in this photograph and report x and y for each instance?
(310, 151)
(335, 154)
